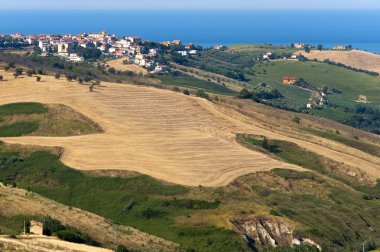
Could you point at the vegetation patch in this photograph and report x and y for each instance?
(19, 119)
(138, 201)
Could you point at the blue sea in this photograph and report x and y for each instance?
(359, 28)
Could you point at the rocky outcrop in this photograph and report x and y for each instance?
(261, 231)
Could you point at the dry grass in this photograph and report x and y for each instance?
(181, 139)
(355, 58)
(15, 201)
(44, 244)
(119, 65)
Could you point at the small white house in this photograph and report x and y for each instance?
(193, 52)
(76, 58)
(308, 105)
(183, 53)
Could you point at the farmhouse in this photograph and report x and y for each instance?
(289, 80)
(299, 45)
(36, 228)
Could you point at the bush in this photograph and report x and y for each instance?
(202, 94)
(1, 78)
(245, 94)
(74, 235)
(296, 119)
(57, 76)
(186, 92)
(38, 78)
(122, 248)
(80, 80)
(30, 72)
(40, 71)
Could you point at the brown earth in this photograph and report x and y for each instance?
(355, 58)
(168, 135)
(14, 201)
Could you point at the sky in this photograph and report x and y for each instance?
(190, 4)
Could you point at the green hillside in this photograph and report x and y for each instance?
(350, 83)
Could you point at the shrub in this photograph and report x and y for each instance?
(57, 76)
(7, 68)
(19, 70)
(80, 80)
(296, 119)
(87, 79)
(1, 78)
(30, 72)
(16, 74)
(186, 92)
(122, 248)
(245, 94)
(202, 94)
(38, 78)
(40, 71)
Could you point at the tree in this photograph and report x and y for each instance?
(38, 78)
(320, 47)
(30, 72)
(307, 49)
(245, 94)
(11, 64)
(40, 71)
(111, 70)
(19, 70)
(57, 76)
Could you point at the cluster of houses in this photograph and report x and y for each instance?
(130, 47)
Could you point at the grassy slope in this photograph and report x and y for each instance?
(29, 118)
(326, 209)
(349, 141)
(352, 84)
(139, 201)
(333, 214)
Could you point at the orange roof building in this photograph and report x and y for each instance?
(288, 80)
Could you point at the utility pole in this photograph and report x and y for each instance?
(24, 228)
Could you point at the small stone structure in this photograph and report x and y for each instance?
(36, 227)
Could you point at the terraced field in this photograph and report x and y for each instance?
(164, 134)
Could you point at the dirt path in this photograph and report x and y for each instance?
(164, 134)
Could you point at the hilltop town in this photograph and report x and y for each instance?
(85, 46)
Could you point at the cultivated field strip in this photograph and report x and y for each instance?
(161, 133)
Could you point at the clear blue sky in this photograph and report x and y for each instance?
(190, 4)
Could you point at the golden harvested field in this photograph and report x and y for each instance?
(168, 135)
(355, 58)
(119, 65)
